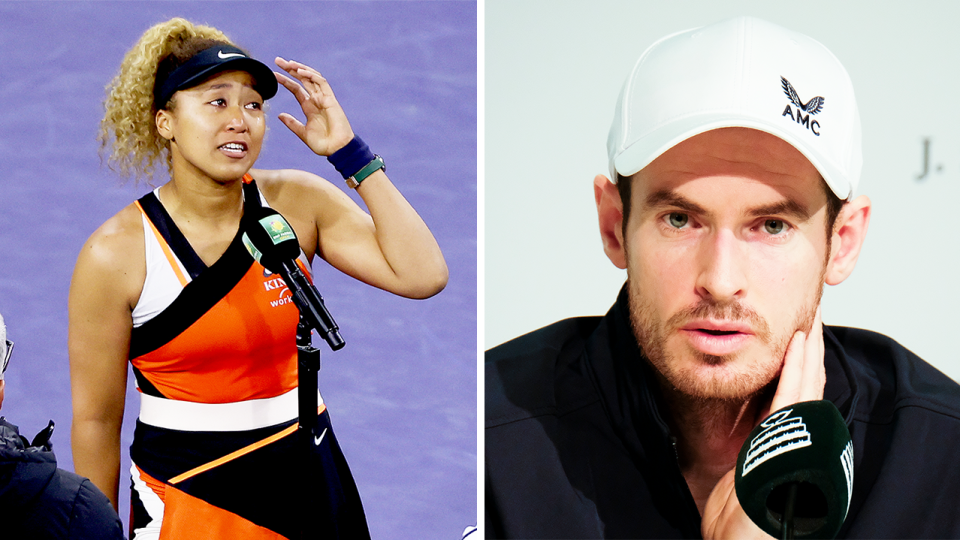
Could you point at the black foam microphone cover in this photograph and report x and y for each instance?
(796, 470)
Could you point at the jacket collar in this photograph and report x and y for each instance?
(631, 398)
(25, 470)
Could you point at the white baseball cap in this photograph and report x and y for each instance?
(742, 72)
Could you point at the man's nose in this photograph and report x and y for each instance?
(722, 267)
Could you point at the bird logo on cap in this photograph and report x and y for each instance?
(813, 106)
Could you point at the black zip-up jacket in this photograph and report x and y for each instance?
(577, 446)
(40, 501)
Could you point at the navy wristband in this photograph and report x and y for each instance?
(353, 157)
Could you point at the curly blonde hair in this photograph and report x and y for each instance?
(129, 126)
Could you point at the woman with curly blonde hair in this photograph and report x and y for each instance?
(167, 284)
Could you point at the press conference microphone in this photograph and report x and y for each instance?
(271, 241)
(794, 475)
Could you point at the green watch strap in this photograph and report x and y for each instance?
(367, 170)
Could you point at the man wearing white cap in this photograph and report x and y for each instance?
(735, 152)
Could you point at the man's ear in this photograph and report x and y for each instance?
(164, 124)
(610, 214)
(848, 236)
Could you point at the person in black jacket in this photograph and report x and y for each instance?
(735, 152)
(38, 500)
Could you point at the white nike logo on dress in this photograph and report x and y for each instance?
(223, 55)
(316, 440)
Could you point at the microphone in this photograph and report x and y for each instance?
(271, 241)
(794, 474)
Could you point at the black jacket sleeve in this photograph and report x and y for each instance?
(93, 516)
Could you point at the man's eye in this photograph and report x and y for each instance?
(678, 220)
(255, 106)
(774, 226)
(219, 102)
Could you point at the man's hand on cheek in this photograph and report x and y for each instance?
(803, 376)
(802, 379)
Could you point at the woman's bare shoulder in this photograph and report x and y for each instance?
(114, 253)
(289, 183)
(118, 234)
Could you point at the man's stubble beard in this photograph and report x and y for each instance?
(749, 379)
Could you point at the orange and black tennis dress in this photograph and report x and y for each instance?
(214, 354)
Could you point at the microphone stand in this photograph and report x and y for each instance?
(314, 502)
(308, 364)
(786, 530)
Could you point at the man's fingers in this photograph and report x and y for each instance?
(814, 376)
(791, 376)
(713, 511)
(723, 517)
(803, 375)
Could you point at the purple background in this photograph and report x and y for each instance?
(402, 393)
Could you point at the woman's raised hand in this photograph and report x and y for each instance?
(326, 129)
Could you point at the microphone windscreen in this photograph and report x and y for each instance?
(269, 238)
(805, 444)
